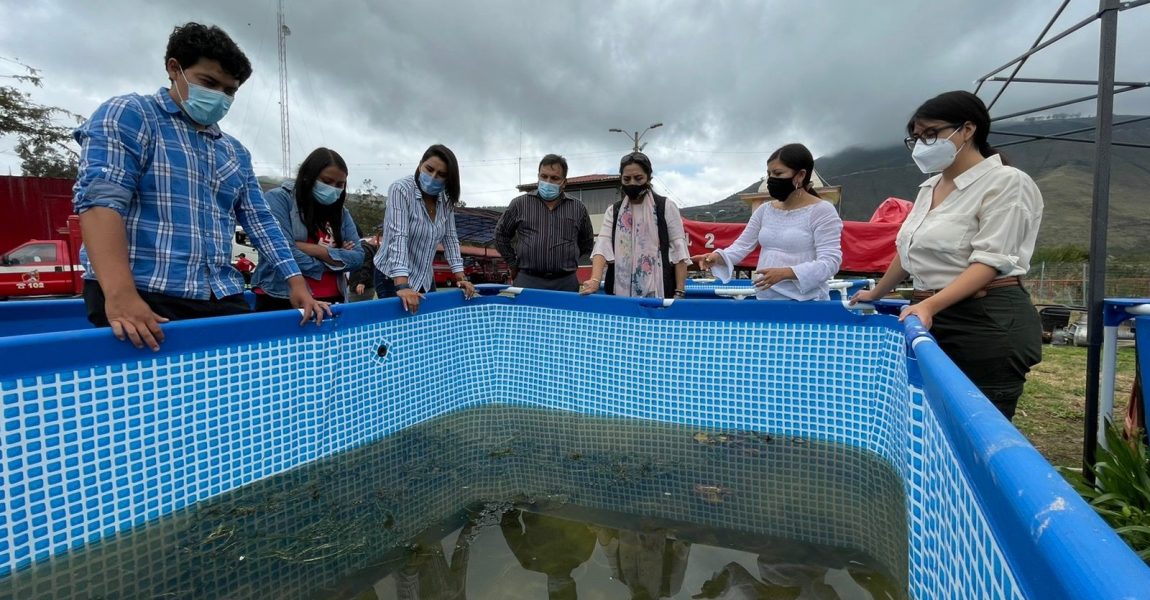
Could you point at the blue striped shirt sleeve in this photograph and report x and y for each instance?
(280, 202)
(112, 145)
(254, 216)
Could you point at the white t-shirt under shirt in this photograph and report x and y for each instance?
(807, 239)
(991, 217)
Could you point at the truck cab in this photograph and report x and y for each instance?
(44, 267)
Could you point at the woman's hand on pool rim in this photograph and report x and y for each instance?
(411, 299)
(922, 310)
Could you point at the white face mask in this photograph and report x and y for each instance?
(937, 156)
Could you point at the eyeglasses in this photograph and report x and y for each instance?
(928, 136)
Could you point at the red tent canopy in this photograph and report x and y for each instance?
(867, 247)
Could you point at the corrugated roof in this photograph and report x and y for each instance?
(476, 225)
(577, 182)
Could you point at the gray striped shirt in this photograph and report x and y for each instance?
(532, 237)
(411, 237)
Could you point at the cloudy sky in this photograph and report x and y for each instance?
(503, 82)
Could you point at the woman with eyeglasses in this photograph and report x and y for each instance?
(310, 211)
(799, 234)
(420, 216)
(966, 245)
(641, 249)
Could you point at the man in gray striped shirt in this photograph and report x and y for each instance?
(543, 233)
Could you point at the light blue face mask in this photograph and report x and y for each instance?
(431, 185)
(205, 106)
(326, 194)
(548, 190)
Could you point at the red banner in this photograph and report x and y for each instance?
(867, 247)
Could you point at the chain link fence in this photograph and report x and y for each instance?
(1066, 283)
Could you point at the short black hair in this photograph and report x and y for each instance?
(554, 159)
(192, 41)
(636, 158)
(448, 157)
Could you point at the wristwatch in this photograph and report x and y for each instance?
(402, 286)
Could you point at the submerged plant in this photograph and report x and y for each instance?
(1121, 493)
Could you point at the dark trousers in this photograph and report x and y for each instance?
(171, 307)
(264, 302)
(385, 286)
(994, 340)
(564, 283)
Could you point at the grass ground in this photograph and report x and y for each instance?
(1051, 410)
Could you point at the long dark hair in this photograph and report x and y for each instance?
(797, 157)
(314, 215)
(448, 157)
(958, 107)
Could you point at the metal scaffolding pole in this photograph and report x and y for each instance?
(1099, 213)
(1062, 135)
(1018, 67)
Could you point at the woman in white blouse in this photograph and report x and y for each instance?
(966, 245)
(799, 235)
(641, 249)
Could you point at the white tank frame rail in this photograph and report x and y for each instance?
(841, 285)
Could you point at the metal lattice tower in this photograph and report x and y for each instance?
(282, 32)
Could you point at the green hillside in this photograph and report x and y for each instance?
(1063, 171)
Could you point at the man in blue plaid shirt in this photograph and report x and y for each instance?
(159, 194)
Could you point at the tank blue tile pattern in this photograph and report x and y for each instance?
(90, 452)
(951, 542)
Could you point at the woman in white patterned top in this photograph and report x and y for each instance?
(799, 235)
(641, 249)
(966, 245)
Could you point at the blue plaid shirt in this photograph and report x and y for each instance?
(180, 192)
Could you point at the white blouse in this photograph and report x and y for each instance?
(807, 239)
(991, 217)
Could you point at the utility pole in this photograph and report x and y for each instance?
(282, 32)
(636, 137)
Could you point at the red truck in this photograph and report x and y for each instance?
(39, 238)
(44, 267)
(480, 265)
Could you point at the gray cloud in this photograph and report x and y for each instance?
(379, 81)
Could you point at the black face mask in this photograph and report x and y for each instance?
(780, 188)
(634, 191)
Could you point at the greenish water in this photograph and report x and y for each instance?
(511, 502)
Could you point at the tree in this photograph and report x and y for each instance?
(367, 207)
(45, 147)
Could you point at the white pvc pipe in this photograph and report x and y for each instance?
(737, 294)
(1139, 310)
(1107, 383)
(1109, 372)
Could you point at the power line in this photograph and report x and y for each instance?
(720, 151)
